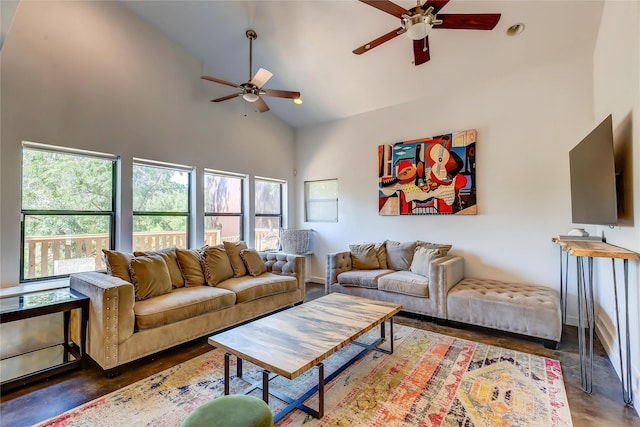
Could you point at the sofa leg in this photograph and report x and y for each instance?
(112, 373)
(550, 344)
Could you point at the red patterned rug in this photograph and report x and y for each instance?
(429, 380)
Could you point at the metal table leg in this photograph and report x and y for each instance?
(627, 389)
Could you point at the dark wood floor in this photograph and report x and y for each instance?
(604, 407)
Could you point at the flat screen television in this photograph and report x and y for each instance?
(593, 178)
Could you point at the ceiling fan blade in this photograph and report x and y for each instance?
(377, 42)
(261, 105)
(280, 93)
(471, 21)
(436, 4)
(261, 77)
(421, 51)
(224, 98)
(387, 6)
(224, 82)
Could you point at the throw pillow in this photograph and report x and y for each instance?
(444, 249)
(381, 253)
(363, 257)
(216, 265)
(399, 255)
(422, 258)
(170, 258)
(253, 262)
(118, 264)
(233, 251)
(150, 276)
(191, 266)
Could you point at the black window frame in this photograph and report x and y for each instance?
(24, 213)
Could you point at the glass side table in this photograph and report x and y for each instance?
(22, 369)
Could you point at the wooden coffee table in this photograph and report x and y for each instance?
(292, 341)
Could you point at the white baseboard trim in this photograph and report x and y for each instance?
(607, 335)
(315, 279)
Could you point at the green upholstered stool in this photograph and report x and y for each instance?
(234, 410)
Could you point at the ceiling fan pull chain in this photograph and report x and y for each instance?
(424, 48)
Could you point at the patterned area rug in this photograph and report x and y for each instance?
(429, 380)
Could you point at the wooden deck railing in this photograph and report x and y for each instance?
(59, 255)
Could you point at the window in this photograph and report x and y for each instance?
(160, 206)
(223, 208)
(268, 205)
(321, 201)
(68, 210)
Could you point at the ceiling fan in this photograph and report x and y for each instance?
(252, 91)
(418, 21)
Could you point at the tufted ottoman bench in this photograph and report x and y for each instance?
(514, 307)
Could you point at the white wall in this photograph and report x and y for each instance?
(617, 92)
(91, 75)
(526, 124)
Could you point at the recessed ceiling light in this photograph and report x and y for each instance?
(515, 29)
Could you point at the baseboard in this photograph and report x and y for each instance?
(607, 335)
(315, 279)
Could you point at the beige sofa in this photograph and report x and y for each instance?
(129, 320)
(427, 281)
(389, 271)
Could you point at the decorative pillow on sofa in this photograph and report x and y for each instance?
(233, 251)
(444, 249)
(363, 257)
(169, 256)
(216, 265)
(399, 255)
(381, 253)
(150, 276)
(422, 258)
(118, 264)
(189, 261)
(253, 262)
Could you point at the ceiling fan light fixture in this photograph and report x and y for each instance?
(417, 27)
(297, 101)
(250, 97)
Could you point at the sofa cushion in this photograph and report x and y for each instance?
(249, 288)
(444, 249)
(362, 278)
(216, 265)
(253, 261)
(180, 304)
(381, 254)
(363, 257)
(189, 261)
(399, 255)
(233, 251)
(405, 282)
(118, 264)
(169, 256)
(150, 276)
(422, 258)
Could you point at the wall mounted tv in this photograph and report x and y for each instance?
(593, 178)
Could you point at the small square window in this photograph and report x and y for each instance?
(321, 200)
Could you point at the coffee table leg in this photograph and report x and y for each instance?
(239, 367)
(226, 373)
(265, 386)
(320, 390)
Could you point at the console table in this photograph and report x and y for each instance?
(590, 249)
(39, 364)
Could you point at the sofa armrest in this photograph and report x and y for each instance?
(286, 265)
(111, 316)
(336, 263)
(445, 273)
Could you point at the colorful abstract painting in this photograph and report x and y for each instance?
(429, 176)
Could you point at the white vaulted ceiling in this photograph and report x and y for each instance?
(308, 46)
